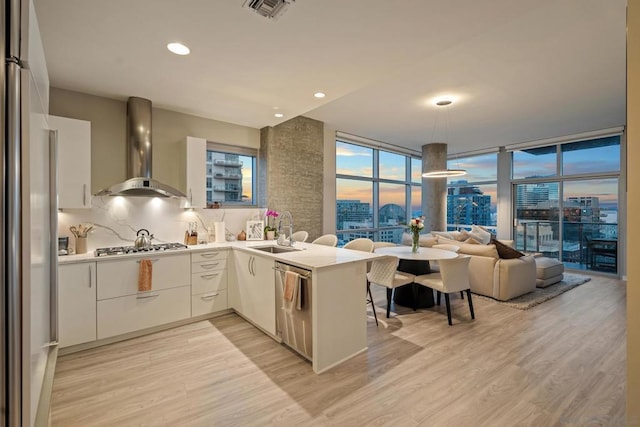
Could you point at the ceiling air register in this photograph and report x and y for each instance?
(268, 8)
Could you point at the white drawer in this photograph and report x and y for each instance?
(208, 302)
(211, 265)
(208, 281)
(120, 278)
(208, 256)
(134, 312)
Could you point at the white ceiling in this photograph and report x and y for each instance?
(522, 70)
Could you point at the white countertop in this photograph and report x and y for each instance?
(307, 255)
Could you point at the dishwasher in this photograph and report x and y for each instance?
(293, 319)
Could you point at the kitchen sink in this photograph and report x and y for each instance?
(275, 249)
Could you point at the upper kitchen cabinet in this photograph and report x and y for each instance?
(195, 150)
(74, 162)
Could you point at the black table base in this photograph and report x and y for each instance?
(404, 295)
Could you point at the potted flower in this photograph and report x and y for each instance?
(415, 226)
(270, 229)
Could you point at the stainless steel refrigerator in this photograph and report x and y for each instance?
(28, 260)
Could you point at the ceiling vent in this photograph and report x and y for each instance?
(268, 8)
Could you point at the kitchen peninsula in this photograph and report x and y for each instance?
(100, 303)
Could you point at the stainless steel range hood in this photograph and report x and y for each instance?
(139, 181)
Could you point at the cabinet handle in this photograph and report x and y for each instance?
(90, 276)
(249, 265)
(146, 296)
(209, 276)
(153, 260)
(84, 194)
(209, 255)
(210, 296)
(190, 197)
(253, 266)
(209, 265)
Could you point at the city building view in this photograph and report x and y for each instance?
(227, 177)
(582, 228)
(468, 205)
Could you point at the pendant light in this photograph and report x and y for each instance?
(444, 173)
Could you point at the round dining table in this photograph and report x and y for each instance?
(417, 263)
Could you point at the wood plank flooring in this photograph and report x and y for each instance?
(559, 363)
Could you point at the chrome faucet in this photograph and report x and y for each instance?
(281, 240)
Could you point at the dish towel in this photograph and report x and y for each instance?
(145, 275)
(291, 281)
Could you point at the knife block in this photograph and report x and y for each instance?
(190, 239)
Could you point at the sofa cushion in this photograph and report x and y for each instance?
(472, 241)
(543, 283)
(506, 252)
(480, 250)
(425, 240)
(547, 268)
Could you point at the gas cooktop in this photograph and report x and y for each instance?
(124, 250)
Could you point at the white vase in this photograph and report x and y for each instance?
(271, 235)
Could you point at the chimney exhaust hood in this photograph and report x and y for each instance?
(139, 181)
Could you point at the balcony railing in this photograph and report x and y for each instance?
(585, 245)
(227, 175)
(226, 188)
(228, 163)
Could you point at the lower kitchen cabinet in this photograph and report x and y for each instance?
(254, 293)
(130, 313)
(208, 282)
(76, 303)
(209, 302)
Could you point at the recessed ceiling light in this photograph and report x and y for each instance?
(178, 48)
(319, 95)
(278, 115)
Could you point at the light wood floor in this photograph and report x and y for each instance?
(559, 363)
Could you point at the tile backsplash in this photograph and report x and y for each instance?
(117, 219)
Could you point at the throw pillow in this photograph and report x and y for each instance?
(460, 236)
(506, 252)
(444, 234)
(472, 241)
(480, 234)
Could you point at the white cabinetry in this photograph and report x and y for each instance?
(253, 293)
(122, 309)
(74, 162)
(76, 303)
(208, 282)
(195, 150)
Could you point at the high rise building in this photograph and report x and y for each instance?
(466, 204)
(353, 211)
(224, 177)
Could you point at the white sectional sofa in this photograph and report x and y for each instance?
(490, 275)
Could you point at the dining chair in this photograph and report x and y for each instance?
(361, 244)
(364, 245)
(300, 236)
(453, 277)
(377, 245)
(327, 240)
(435, 267)
(384, 273)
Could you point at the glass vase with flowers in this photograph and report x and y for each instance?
(415, 226)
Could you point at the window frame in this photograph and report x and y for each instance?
(375, 180)
(241, 151)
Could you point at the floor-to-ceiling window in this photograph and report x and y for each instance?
(566, 202)
(377, 192)
(472, 198)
